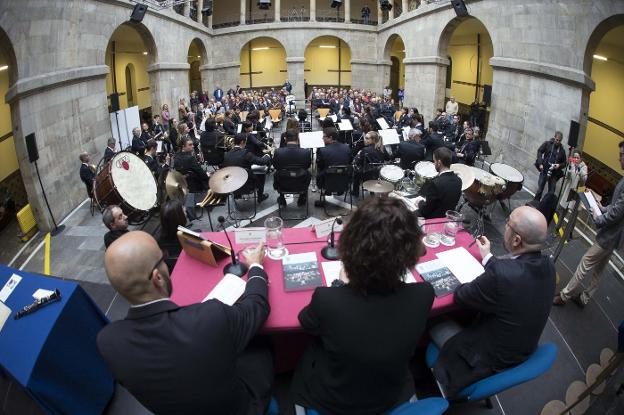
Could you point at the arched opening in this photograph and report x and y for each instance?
(130, 50)
(196, 58)
(13, 194)
(604, 61)
(395, 52)
(263, 64)
(468, 45)
(328, 62)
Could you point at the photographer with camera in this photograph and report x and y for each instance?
(551, 163)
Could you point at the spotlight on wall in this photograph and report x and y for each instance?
(336, 3)
(4, 68)
(597, 57)
(145, 53)
(385, 5)
(207, 10)
(264, 4)
(138, 13)
(260, 48)
(327, 47)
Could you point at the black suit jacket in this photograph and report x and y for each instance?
(291, 156)
(244, 158)
(442, 194)
(334, 154)
(184, 360)
(359, 361)
(410, 153)
(87, 176)
(108, 154)
(196, 177)
(513, 297)
(432, 142)
(138, 146)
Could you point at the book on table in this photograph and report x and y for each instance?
(301, 272)
(440, 277)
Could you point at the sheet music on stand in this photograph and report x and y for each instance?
(239, 128)
(312, 139)
(345, 125)
(590, 202)
(389, 137)
(159, 145)
(405, 132)
(382, 123)
(333, 117)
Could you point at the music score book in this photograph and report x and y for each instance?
(436, 273)
(590, 203)
(301, 272)
(200, 248)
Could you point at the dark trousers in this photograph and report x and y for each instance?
(541, 183)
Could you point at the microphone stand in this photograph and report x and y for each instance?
(235, 267)
(330, 252)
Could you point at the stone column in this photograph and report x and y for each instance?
(187, 9)
(379, 14)
(243, 5)
(200, 6)
(347, 11)
(404, 6)
(278, 7)
(168, 82)
(296, 76)
(312, 10)
(210, 22)
(365, 74)
(425, 83)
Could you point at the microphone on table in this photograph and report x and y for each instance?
(330, 251)
(236, 267)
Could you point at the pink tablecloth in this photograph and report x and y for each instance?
(193, 280)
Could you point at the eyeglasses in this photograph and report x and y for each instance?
(162, 258)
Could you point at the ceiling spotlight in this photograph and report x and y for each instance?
(327, 47)
(264, 4)
(600, 58)
(4, 68)
(145, 53)
(261, 48)
(385, 5)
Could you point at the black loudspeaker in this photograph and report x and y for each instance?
(385, 5)
(574, 133)
(114, 97)
(264, 4)
(460, 7)
(207, 10)
(31, 146)
(138, 13)
(336, 3)
(487, 94)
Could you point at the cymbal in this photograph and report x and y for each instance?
(175, 185)
(465, 173)
(376, 186)
(228, 179)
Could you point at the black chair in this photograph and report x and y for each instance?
(337, 180)
(247, 191)
(293, 181)
(213, 157)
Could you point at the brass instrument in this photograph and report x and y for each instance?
(92, 168)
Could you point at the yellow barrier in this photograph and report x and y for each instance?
(46, 258)
(27, 223)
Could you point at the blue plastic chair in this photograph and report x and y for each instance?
(429, 406)
(273, 408)
(536, 365)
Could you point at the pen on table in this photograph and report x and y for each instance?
(474, 242)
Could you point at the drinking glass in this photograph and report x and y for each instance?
(432, 237)
(274, 239)
(451, 227)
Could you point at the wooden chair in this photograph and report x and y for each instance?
(243, 115)
(275, 116)
(397, 115)
(323, 113)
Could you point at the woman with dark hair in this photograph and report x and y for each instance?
(366, 330)
(171, 216)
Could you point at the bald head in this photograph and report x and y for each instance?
(133, 268)
(530, 224)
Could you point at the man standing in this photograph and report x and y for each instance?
(443, 192)
(365, 14)
(610, 236)
(109, 152)
(218, 93)
(198, 359)
(116, 222)
(87, 175)
(551, 163)
(512, 297)
(452, 107)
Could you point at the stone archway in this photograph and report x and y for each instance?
(328, 62)
(263, 63)
(394, 53)
(197, 57)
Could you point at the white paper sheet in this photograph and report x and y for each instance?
(5, 312)
(299, 258)
(382, 123)
(323, 228)
(592, 202)
(408, 277)
(9, 287)
(405, 133)
(462, 264)
(239, 128)
(159, 145)
(345, 125)
(331, 271)
(389, 137)
(333, 117)
(228, 290)
(312, 139)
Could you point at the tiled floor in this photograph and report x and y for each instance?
(580, 335)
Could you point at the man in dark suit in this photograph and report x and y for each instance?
(138, 146)
(551, 163)
(240, 156)
(411, 151)
(109, 152)
(467, 153)
(198, 359)
(443, 192)
(86, 174)
(150, 159)
(292, 157)
(333, 154)
(433, 140)
(186, 163)
(513, 297)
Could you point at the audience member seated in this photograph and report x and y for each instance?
(443, 192)
(469, 150)
(366, 331)
(198, 359)
(513, 298)
(172, 215)
(116, 222)
(186, 163)
(333, 154)
(292, 157)
(241, 156)
(411, 151)
(372, 153)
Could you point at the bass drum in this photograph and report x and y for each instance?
(126, 181)
(513, 177)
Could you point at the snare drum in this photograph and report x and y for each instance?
(512, 177)
(126, 181)
(484, 189)
(392, 174)
(425, 171)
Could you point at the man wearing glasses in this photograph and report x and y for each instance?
(610, 236)
(195, 359)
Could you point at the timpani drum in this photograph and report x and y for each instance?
(485, 188)
(512, 177)
(126, 181)
(424, 172)
(392, 174)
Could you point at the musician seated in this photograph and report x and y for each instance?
(87, 173)
(333, 154)
(412, 150)
(212, 143)
(434, 140)
(109, 152)
(255, 143)
(146, 135)
(150, 159)
(116, 222)
(292, 157)
(186, 163)
(443, 192)
(229, 125)
(291, 124)
(453, 130)
(172, 215)
(372, 153)
(469, 150)
(240, 156)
